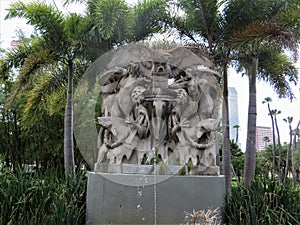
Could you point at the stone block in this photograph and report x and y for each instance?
(144, 199)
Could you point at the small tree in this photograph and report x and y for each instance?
(266, 139)
(237, 159)
(237, 127)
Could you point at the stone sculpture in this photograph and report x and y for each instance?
(161, 100)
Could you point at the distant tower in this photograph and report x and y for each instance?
(264, 137)
(233, 111)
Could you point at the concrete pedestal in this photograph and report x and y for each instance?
(134, 198)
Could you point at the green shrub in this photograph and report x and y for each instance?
(41, 199)
(263, 202)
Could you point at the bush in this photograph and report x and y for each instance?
(41, 199)
(263, 202)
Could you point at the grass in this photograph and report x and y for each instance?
(263, 202)
(28, 199)
(41, 199)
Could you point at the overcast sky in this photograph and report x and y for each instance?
(7, 34)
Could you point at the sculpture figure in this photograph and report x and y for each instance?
(166, 101)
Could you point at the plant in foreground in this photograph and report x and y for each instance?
(264, 202)
(203, 217)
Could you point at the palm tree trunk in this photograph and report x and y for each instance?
(274, 143)
(68, 127)
(286, 173)
(279, 150)
(293, 154)
(226, 138)
(250, 154)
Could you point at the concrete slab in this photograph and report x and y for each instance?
(130, 198)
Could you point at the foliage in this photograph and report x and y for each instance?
(162, 44)
(264, 164)
(261, 30)
(45, 67)
(110, 18)
(237, 160)
(274, 67)
(263, 202)
(41, 199)
(117, 22)
(37, 140)
(203, 217)
(229, 29)
(148, 17)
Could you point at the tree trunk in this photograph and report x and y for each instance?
(279, 150)
(274, 143)
(226, 157)
(250, 154)
(293, 154)
(68, 127)
(286, 173)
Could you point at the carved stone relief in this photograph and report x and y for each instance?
(161, 100)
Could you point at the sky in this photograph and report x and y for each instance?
(8, 33)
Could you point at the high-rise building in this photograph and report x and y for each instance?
(264, 137)
(233, 111)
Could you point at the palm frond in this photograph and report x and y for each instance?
(34, 63)
(67, 2)
(280, 72)
(39, 98)
(109, 14)
(290, 18)
(44, 18)
(266, 34)
(242, 13)
(17, 9)
(275, 68)
(148, 17)
(14, 58)
(56, 100)
(203, 17)
(48, 95)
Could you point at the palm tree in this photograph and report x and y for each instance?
(66, 45)
(237, 132)
(115, 21)
(60, 43)
(264, 30)
(266, 139)
(250, 154)
(225, 31)
(279, 75)
(279, 79)
(204, 25)
(268, 100)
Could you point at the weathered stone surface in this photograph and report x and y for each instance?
(137, 169)
(165, 101)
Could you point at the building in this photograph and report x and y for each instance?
(264, 137)
(233, 112)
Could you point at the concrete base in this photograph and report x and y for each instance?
(134, 198)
